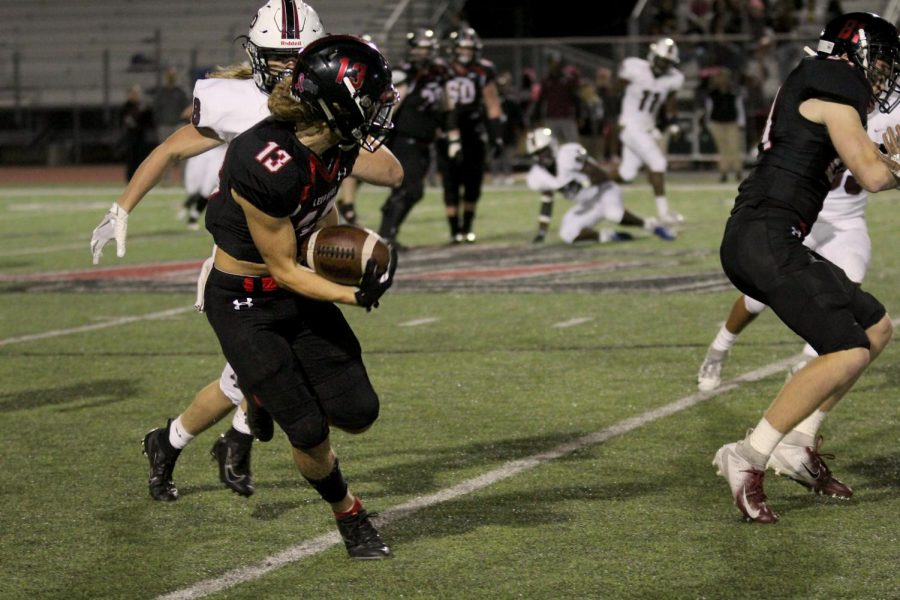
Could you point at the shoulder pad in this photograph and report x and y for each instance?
(837, 81)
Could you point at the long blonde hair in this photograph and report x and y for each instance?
(285, 107)
(237, 71)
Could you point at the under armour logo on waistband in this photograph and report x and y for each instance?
(238, 305)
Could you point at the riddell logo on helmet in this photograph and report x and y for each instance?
(292, 43)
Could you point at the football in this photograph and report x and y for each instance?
(339, 253)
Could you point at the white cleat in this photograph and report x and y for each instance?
(804, 465)
(709, 377)
(671, 218)
(746, 483)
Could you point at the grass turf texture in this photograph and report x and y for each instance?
(490, 381)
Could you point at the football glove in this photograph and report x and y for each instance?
(373, 286)
(114, 226)
(454, 150)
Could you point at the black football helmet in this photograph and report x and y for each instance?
(423, 46)
(463, 40)
(871, 43)
(348, 81)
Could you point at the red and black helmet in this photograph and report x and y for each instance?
(348, 81)
(871, 43)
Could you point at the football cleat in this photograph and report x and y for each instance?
(804, 465)
(457, 238)
(470, 238)
(232, 452)
(361, 538)
(663, 233)
(746, 483)
(162, 457)
(539, 237)
(710, 374)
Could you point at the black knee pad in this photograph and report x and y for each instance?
(349, 400)
(299, 415)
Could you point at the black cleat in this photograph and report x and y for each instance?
(232, 452)
(162, 457)
(361, 538)
(259, 421)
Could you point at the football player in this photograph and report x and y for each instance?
(201, 179)
(293, 352)
(227, 103)
(473, 127)
(418, 118)
(569, 170)
(840, 234)
(650, 92)
(816, 122)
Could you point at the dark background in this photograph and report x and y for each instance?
(547, 18)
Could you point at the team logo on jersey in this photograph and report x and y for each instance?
(238, 305)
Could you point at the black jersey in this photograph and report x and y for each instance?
(421, 113)
(796, 157)
(273, 171)
(466, 91)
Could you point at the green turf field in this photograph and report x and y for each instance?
(517, 454)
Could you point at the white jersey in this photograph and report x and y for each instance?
(228, 107)
(645, 93)
(848, 200)
(201, 172)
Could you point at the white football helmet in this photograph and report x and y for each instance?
(540, 138)
(663, 54)
(280, 29)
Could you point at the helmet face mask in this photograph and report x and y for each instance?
(423, 46)
(871, 43)
(348, 82)
(662, 56)
(466, 45)
(280, 29)
(542, 145)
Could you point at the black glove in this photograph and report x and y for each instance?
(373, 286)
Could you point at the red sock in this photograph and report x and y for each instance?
(357, 506)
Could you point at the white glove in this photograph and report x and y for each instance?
(113, 226)
(453, 148)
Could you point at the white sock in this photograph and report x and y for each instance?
(178, 435)
(239, 421)
(724, 340)
(764, 438)
(810, 427)
(662, 205)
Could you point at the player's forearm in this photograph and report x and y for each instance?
(145, 178)
(302, 281)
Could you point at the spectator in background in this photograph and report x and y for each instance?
(557, 105)
(611, 101)
(724, 115)
(512, 128)
(169, 103)
(138, 136)
(761, 83)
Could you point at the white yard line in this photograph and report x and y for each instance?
(324, 542)
(113, 323)
(417, 322)
(85, 245)
(572, 322)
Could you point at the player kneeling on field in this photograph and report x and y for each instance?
(569, 170)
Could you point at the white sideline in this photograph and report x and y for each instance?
(323, 542)
(111, 323)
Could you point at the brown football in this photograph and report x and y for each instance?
(339, 253)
